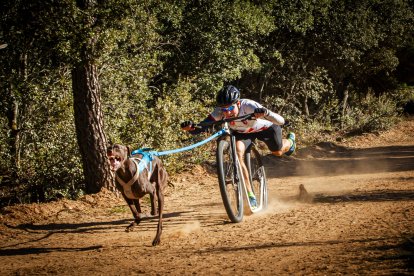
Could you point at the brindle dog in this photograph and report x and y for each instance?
(134, 184)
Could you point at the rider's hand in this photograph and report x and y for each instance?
(187, 125)
(259, 112)
(287, 123)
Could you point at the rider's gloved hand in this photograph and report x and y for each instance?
(187, 125)
(259, 112)
(209, 130)
(287, 123)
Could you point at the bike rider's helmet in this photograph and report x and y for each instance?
(227, 95)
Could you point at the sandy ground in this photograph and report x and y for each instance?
(358, 219)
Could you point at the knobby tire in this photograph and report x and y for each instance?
(257, 176)
(229, 182)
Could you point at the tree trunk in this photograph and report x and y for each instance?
(89, 127)
(305, 106)
(13, 117)
(14, 140)
(343, 106)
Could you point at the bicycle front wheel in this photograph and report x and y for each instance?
(257, 177)
(229, 176)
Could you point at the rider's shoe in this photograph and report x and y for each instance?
(253, 202)
(291, 137)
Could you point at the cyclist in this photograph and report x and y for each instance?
(266, 127)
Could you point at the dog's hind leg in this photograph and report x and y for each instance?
(153, 198)
(160, 196)
(159, 178)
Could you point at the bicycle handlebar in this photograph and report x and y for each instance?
(219, 122)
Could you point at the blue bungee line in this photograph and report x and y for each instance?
(148, 152)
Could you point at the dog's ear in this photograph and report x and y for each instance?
(128, 151)
(109, 148)
(109, 143)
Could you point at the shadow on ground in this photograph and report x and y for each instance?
(327, 159)
(373, 196)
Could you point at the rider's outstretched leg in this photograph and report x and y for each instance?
(241, 149)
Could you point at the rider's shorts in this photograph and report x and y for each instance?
(272, 137)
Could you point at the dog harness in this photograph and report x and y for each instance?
(140, 164)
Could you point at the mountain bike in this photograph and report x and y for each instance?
(231, 180)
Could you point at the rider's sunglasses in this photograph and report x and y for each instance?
(226, 109)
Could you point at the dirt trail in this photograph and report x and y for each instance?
(360, 221)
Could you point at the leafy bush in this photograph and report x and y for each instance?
(156, 123)
(49, 166)
(373, 114)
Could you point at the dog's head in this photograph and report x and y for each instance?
(117, 154)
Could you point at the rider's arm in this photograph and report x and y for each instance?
(202, 129)
(216, 115)
(250, 106)
(274, 117)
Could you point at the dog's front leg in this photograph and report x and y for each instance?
(131, 227)
(135, 208)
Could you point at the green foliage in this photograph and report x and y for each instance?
(176, 107)
(298, 16)
(216, 42)
(50, 163)
(157, 126)
(374, 114)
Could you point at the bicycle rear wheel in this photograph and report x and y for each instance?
(257, 177)
(229, 181)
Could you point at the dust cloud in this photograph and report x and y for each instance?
(342, 166)
(186, 229)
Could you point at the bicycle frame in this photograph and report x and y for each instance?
(237, 167)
